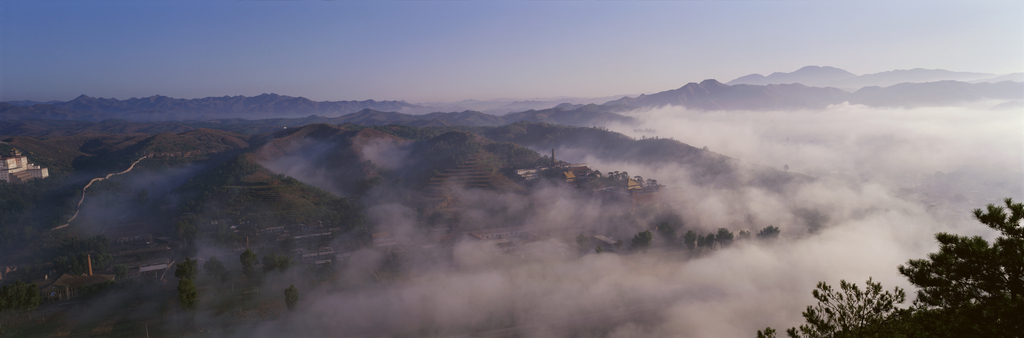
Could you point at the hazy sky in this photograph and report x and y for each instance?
(443, 51)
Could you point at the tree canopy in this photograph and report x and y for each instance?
(972, 287)
(969, 288)
(215, 267)
(690, 240)
(274, 261)
(248, 259)
(667, 231)
(187, 269)
(19, 296)
(642, 240)
(851, 312)
(291, 297)
(769, 232)
(724, 237)
(188, 295)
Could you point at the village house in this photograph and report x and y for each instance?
(606, 242)
(152, 268)
(68, 286)
(507, 239)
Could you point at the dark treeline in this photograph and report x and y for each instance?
(969, 288)
(31, 208)
(697, 243)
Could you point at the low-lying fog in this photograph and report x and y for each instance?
(886, 181)
(947, 157)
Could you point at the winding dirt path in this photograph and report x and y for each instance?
(79, 207)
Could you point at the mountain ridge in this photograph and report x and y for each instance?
(826, 76)
(808, 75)
(159, 107)
(278, 111)
(713, 95)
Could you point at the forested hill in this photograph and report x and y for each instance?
(351, 159)
(416, 154)
(348, 141)
(108, 151)
(242, 189)
(704, 167)
(290, 171)
(29, 210)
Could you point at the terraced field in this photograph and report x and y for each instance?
(473, 174)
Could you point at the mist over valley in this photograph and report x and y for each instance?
(511, 170)
(854, 190)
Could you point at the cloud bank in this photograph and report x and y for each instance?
(885, 180)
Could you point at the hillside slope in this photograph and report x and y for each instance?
(703, 167)
(352, 160)
(109, 151)
(241, 189)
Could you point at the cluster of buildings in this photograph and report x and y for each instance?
(67, 285)
(15, 168)
(64, 287)
(135, 240)
(151, 257)
(571, 173)
(576, 174)
(127, 247)
(305, 242)
(507, 239)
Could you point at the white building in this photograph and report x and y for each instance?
(528, 174)
(15, 168)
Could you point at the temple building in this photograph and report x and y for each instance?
(15, 168)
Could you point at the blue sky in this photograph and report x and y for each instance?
(422, 51)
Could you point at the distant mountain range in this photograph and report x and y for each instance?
(276, 111)
(834, 77)
(713, 95)
(1015, 77)
(505, 106)
(568, 114)
(585, 115)
(163, 108)
(809, 76)
(709, 95)
(936, 93)
(26, 103)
